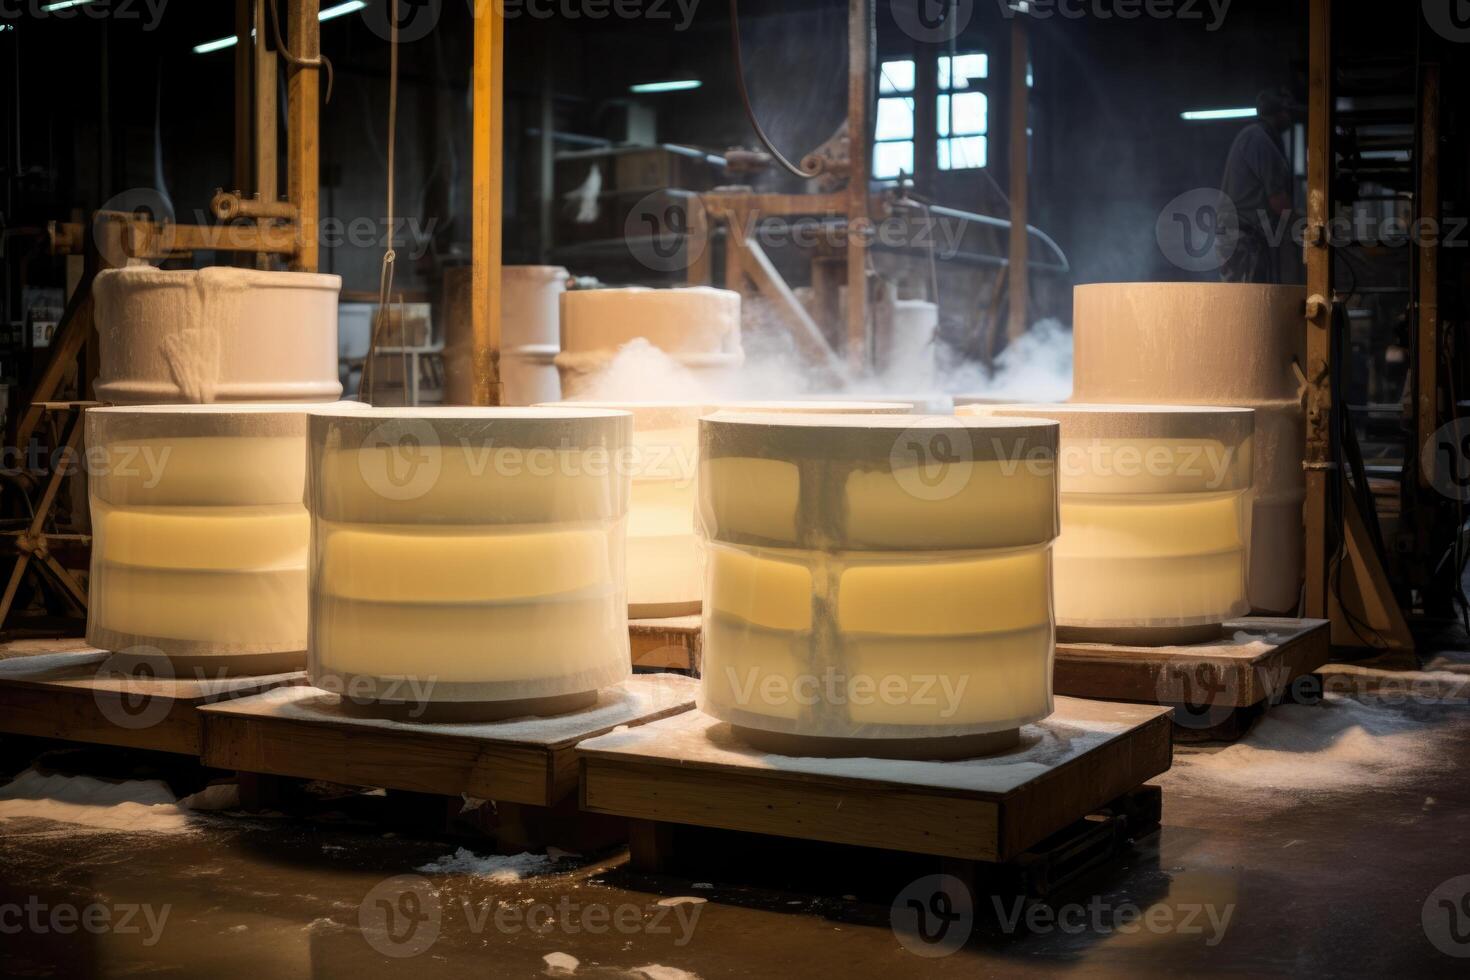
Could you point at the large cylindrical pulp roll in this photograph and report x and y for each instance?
(200, 538)
(877, 580)
(216, 335)
(697, 326)
(1234, 344)
(665, 573)
(468, 558)
(1155, 504)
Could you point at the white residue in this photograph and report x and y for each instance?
(560, 964)
(1340, 745)
(496, 867)
(655, 971)
(138, 806)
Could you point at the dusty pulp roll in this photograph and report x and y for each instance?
(217, 334)
(1233, 344)
(697, 326)
(1155, 503)
(200, 538)
(468, 562)
(877, 585)
(530, 333)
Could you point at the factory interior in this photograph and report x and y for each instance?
(686, 489)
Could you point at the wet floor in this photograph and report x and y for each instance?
(1349, 877)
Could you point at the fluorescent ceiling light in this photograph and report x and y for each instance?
(1202, 115)
(216, 45)
(680, 85)
(219, 44)
(63, 4)
(350, 7)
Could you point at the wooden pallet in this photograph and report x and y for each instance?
(1216, 688)
(78, 694)
(304, 733)
(689, 770)
(666, 644)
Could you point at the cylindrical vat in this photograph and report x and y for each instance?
(877, 585)
(1155, 503)
(697, 326)
(1235, 344)
(218, 334)
(468, 562)
(665, 572)
(200, 538)
(530, 333)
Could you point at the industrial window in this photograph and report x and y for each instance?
(962, 115)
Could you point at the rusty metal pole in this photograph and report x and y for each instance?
(487, 176)
(303, 137)
(860, 47)
(1019, 285)
(1319, 466)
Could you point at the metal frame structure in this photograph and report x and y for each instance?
(268, 227)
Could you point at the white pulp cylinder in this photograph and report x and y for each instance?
(1233, 344)
(200, 537)
(1155, 503)
(877, 577)
(530, 320)
(697, 326)
(216, 335)
(665, 571)
(467, 555)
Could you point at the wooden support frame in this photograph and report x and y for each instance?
(77, 696)
(303, 128)
(861, 44)
(689, 770)
(487, 187)
(1018, 264)
(305, 733)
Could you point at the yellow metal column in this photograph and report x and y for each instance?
(487, 174)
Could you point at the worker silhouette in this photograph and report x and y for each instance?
(1255, 196)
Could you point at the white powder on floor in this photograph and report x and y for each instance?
(1342, 744)
(655, 971)
(496, 867)
(560, 964)
(87, 804)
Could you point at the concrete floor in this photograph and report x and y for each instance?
(1244, 878)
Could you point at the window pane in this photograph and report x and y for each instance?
(962, 153)
(896, 76)
(971, 113)
(890, 158)
(895, 120)
(967, 68)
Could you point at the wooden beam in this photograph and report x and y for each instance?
(487, 181)
(1427, 202)
(242, 170)
(860, 46)
(1020, 157)
(266, 183)
(1318, 458)
(303, 137)
(804, 330)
